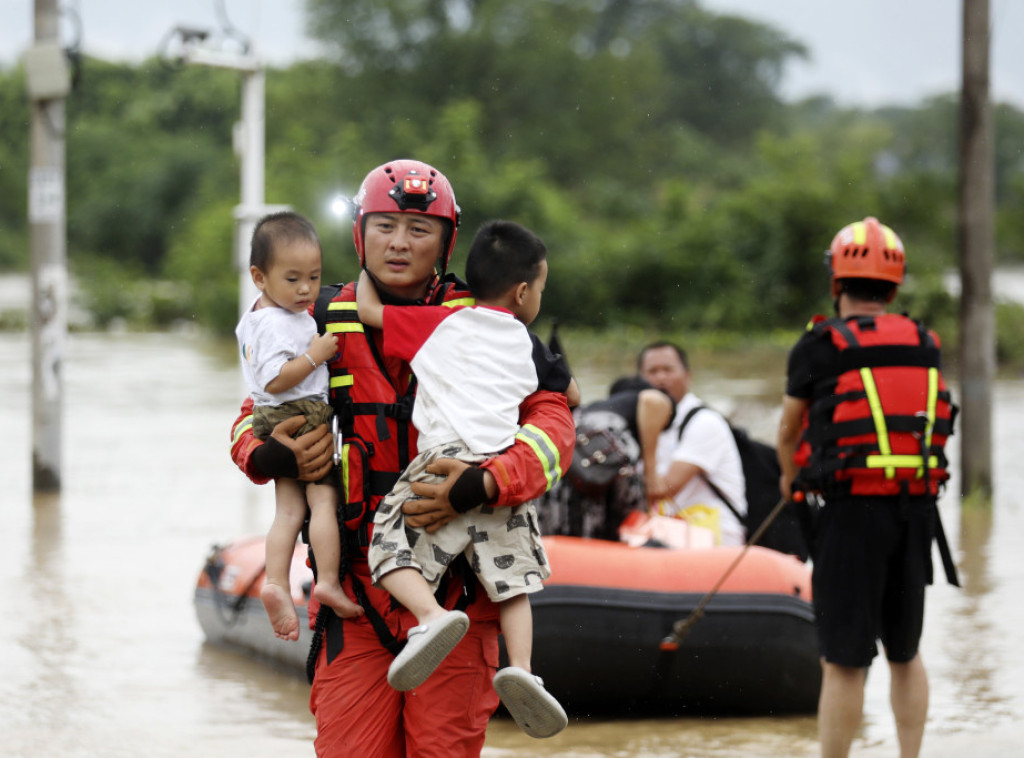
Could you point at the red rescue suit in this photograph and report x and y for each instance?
(357, 712)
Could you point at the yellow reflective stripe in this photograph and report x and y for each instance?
(344, 471)
(344, 326)
(243, 426)
(459, 301)
(860, 232)
(890, 237)
(342, 380)
(933, 400)
(545, 451)
(900, 461)
(878, 416)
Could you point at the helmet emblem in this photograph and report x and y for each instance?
(413, 193)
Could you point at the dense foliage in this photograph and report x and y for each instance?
(644, 140)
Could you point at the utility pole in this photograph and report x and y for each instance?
(48, 84)
(975, 207)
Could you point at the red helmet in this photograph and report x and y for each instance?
(867, 250)
(405, 186)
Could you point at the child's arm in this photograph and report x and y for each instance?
(321, 349)
(371, 310)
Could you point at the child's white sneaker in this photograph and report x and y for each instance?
(533, 707)
(427, 646)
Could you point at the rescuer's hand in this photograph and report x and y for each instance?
(464, 487)
(312, 452)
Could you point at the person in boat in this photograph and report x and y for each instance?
(357, 712)
(616, 439)
(697, 461)
(284, 363)
(864, 419)
(474, 366)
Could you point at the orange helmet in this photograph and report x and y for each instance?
(867, 250)
(405, 186)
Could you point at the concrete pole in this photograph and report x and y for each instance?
(47, 86)
(250, 144)
(975, 230)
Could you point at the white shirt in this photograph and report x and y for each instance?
(267, 339)
(708, 444)
(474, 367)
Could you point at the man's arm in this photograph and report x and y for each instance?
(653, 413)
(794, 409)
(573, 394)
(308, 457)
(678, 475)
(539, 457)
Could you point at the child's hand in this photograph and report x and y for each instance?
(323, 347)
(365, 283)
(368, 304)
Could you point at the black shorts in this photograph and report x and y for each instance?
(872, 563)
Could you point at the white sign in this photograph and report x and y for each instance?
(45, 196)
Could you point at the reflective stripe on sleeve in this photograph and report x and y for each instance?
(544, 449)
(243, 426)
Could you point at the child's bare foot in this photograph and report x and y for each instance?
(283, 618)
(335, 598)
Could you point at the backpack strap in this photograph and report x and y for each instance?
(714, 488)
(327, 294)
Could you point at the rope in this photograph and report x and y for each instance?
(681, 628)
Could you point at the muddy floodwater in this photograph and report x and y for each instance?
(101, 654)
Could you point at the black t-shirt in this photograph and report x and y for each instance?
(812, 368)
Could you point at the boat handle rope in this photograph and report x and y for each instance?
(682, 627)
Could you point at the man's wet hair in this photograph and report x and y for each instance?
(276, 229)
(502, 255)
(683, 358)
(873, 290)
(629, 384)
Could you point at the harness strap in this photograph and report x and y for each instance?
(857, 457)
(947, 557)
(858, 427)
(714, 488)
(322, 618)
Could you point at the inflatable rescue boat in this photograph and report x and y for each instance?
(599, 626)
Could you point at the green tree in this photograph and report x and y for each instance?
(14, 151)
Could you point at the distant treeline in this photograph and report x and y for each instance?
(646, 142)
